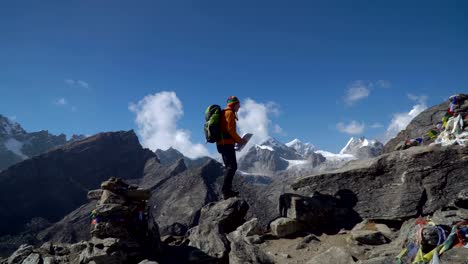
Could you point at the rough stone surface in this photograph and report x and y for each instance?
(398, 185)
(216, 220)
(179, 198)
(284, 227)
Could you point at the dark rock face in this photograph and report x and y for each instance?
(399, 185)
(179, 198)
(425, 121)
(55, 183)
(72, 228)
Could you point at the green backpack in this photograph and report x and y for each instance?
(212, 123)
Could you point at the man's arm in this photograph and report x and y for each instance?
(231, 126)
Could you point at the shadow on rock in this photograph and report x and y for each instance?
(321, 213)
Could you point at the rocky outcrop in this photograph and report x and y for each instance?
(55, 183)
(424, 122)
(399, 185)
(244, 242)
(216, 221)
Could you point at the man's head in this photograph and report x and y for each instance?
(233, 103)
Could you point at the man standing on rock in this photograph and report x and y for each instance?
(225, 144)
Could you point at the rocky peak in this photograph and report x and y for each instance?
(305, 149)
(271, 156)
(362, 148)
(9, 127)
(169, 156)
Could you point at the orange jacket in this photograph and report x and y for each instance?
(228, 128)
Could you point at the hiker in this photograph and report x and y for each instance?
(225, 144)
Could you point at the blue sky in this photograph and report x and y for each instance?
(320, 71)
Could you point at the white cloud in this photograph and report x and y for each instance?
(61, 101)
(358, 90)
(254, 118)
(156, 120)
(420, 99)
(83, 84)
(401, 120)
(384, 83)
(353, 128)
(277, 129)
(77, 84)
(376, 125)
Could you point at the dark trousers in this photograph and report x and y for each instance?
(229, 158)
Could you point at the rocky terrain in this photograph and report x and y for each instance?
(367, 211)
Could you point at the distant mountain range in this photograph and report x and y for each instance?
(270, 158)
(17, 145)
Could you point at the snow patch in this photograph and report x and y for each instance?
(333, 156)
(351, 140)
(364, 143)
(294, 163)
(265, 147)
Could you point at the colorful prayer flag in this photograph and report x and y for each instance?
(432, 134)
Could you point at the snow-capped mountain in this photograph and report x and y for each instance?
(271, 156)
(304, 149)
(17, 145)
(362, 148)
(333, 161)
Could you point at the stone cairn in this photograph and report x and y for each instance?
(121, 225)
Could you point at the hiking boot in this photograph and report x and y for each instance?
(229, 194)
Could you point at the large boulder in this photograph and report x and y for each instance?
(398, 185)
(243, 245)
(216, 221)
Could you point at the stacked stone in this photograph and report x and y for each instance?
(119, 225)
(121, 210)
